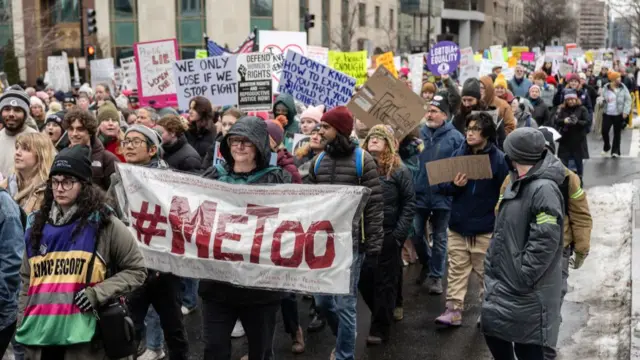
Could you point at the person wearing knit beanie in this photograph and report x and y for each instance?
(110, 133)
(573, 80)
(276, 133)
(500, 82)
(428, 90)
(38, 111)
(338, 118)
(15, 97)
(380, 143)
(43, 96)
(69, 101)
(613, 75)
(73, 161)
(525, 146)
(471, 88)
(53, 126)
(142, 146)
(310, 118)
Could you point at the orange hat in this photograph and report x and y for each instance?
(613, 75)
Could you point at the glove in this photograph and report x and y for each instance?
(578, 260)
(82, 301)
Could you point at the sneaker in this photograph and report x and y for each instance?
(374, 340)
(152, 355)
(450, 318)
(398, 313)
(435, 286)
(424, 274)
(614, 155)
(238, 330)
(606, 153)
(186, 311)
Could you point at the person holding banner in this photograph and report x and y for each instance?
(201, 133)
(247, 153)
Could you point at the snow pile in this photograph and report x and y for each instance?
(603, 284)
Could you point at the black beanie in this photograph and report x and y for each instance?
(471, 88)
(73, 161)
(441, 103)
(549, 142)
(55, 118)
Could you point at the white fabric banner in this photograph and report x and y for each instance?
(286, 237)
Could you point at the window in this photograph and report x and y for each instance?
(326, 31)
(64, 11)
(377, 17)
(191, 24)
(261, 14)
(6, 27)
(362, 15)
(123, 18)
(390, 19)
(361, 44)
(303, 11)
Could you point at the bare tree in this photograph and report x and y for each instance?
(544, 20)
(343, 34)
(629, 11)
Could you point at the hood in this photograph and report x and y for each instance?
(549, 168)
(254, 129)
(287, 100)
(489, 91)
(285, 158)
(410, 149)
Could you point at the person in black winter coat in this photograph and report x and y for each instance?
(572, 121)
(540, 111)
(201, 133)
(178, 153)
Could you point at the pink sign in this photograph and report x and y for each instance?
(528, 56)
(154, 62)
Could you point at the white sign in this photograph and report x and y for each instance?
(313, 83)
(102, 72)
(278, 43)
(129, 81)
(213, 78)
(288, 237)
(466, 56)
(59, 74)
(416, 67)
(255, 91)
(319, 54)
(154, 62)
(496, 53)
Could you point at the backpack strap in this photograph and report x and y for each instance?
(316, 166)
(359, 163)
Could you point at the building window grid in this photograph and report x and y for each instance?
(123, 14)
(391, 26)
(64, 11)
(376, 21)
(362, 15)
(261, 14)
(190, 25)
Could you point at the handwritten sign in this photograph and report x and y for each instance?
(102, 72)
(416, 64)
(154, 62)
(386, 100)
(213, 78)
(353, 64)
(443, 58)
(387, 61)
(516, 51)
(201, 54)
(476, 167)
(496, 53)
(59, 74)
(278, 43)
(552, 53)
(319, 54)
(129, 73)
(255, 92)
(528, 56)
(313, 83)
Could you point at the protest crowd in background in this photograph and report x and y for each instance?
(478, 158)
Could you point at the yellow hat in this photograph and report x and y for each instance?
(500, 82)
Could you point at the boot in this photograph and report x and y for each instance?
(435, 286)
(374, 340)
(424, 273)
(298, 342)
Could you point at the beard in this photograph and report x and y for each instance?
(14, 125)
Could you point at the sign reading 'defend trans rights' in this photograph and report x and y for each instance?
(443, 58)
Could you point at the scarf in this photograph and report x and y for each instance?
(57, 217)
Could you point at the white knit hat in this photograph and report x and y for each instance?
(34, 100)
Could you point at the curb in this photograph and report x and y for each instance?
(634, 348)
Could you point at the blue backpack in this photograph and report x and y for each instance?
(359, 163)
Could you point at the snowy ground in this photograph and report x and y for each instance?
(596, 315)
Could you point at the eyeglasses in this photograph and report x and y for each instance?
(67, 184)
(473, 129)
(237, 141)
(135, 142)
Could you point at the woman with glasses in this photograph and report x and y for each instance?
(247, 153)
(74, 234)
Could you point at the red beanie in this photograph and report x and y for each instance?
(552, 80)
(340, 118)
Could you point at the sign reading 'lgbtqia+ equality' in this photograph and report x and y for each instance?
(290, 237)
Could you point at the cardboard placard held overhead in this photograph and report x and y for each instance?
(476, 167)
(384, 99)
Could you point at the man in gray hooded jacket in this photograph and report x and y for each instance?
(523, 273)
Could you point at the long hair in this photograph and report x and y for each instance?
(91, 201)
(41, 145)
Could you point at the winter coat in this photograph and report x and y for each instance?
(31, 201)
(547, 92)
(520, 88)
(629, 81)
(202, 140)
(439, 143)
(342, 171)
(472, 210)
(103, 164)
(182, 156)
(410, 154)
(524, 119)
(255, 129)
(623, 99)
(574, 135)
(453, 94)
(112, 147)
(541, 112)
(11, 253)
(293, 126)
(492, 101)
(523, 272)
(583, 95)
(287, 163)
(399, 204)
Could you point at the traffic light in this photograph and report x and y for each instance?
(309, 21)
(91, 52)
(91, 22)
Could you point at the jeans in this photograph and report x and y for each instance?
(154, 334)
(577, 161)
(340, 312)
(616, 122)
(290, 318)
(503, 350)
(435, 255)
(189, 293)
(6, 335)
(218, 320)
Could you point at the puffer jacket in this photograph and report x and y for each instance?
(293, 126)
(541, 112)
(202, 140)
(547, 92)
(523, 272)
(439, 143)
(342, 171)
(103, 164)
(254, 129)
(399, 204)
(623, 98)
(182, 156)
(409, 152)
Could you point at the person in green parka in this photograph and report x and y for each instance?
(285, 105)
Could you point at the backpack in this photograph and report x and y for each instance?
(23, 214)
(224, 176)
(359, 163)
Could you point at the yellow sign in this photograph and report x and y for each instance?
(513, 62)
(516, 51)
(351, 63)
(386, 60)
(588, 56)
(201, 54)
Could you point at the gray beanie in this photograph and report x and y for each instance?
(525, 146)
(471, 88)
(152, 136)
(16, 97)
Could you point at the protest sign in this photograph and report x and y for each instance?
(597, 66)
(540, 62)
(154, 64)
(466, 56)
(528, 56)
(118, 77)
(217, 155)
(416, 64)
(293, 238)
(299, 141)
(213, 78)
(313, 83)
(128, 66)
(384, 99)
(59, 74)
(496, 53)
(318, 53)
(486, 66)
(575, 52)
(552, 53)
(516, 51)
(102, 72)
(353, 64)
(201, 54)
(386, 60)
(397, 62)
(471, 70)
(255, 92)
(278, 43)
(443, 58)
(565, 69)
(476, 167)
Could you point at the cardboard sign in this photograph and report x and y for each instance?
(213, 78)
(59, 74)
(102, 72)
(129, 73)
(575, 52)
(217, 155)
(313, 83)
(319, 54)
(565, 69)
(416, 64)
(443, 58)
(288, 237)
(255, 91)
(278, 43)
(154, 65)
(386, 100)
(476, 167)
(386, 60)
(466, 56)
(353, 64)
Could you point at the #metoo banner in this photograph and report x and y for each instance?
(287, 237)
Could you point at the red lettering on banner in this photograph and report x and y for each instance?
(160, 59)
(298, 248)
(263, 213)
(222, 234)
(184, 223)
(326, 260)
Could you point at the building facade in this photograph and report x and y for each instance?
(417, 22)
(475, 23)
(593, 24)
(339, 24)
(620, 34)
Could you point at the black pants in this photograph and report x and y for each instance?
(290, 318)
(399, 297)
(576, 159)
(6, 335)
(607, 122)
(379, 287)
(503, 350)
(218, 320)
(163, 291)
